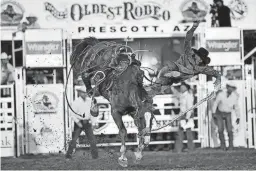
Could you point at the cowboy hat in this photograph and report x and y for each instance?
(215, 1)
(5, 56)
(81, 89)
(203, 54)
(230, 84)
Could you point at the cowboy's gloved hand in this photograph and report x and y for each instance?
(237, 121)
(196, 23)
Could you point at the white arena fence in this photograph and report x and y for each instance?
(167, 107)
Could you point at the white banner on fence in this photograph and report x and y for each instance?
(106, 124)
(45, 118)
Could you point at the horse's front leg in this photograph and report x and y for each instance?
(123, 133)
(144, 128)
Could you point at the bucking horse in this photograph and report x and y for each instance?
(118, 78)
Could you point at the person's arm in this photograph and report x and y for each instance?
(11, 71)
(73, 116)
(188, 38)
(189, 104)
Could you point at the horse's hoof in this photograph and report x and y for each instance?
(123, 162)
(137, 161)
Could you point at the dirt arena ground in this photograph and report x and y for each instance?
(242, 159)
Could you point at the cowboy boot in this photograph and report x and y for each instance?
(222, 141)
(230, 140)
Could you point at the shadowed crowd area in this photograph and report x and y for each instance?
(203, 159)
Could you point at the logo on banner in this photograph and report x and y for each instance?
(45, 102)
(57, 14)
(6, 140)
(126, 11)
(193, 10)
(53, 47)
(222, 45)
(239, 9)
(11, 13)
(47, 137)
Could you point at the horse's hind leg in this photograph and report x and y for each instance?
(123, 133)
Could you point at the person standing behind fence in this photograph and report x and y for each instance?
(186, 123)
(82, 105)
(226, 101)
(7, 74)
(7, 70)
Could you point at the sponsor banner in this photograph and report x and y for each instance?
(77, 15)
(51, 47)
(118, 11)
(45, 119)
(132, 31)
(44, 48)
(222, 45)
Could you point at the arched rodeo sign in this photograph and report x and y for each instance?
(114, 16)
(126, 11)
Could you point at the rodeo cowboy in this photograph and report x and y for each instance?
(191, 63)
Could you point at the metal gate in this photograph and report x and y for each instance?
(7, 115)
(250, 104)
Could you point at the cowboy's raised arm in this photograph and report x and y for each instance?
(189, 36)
